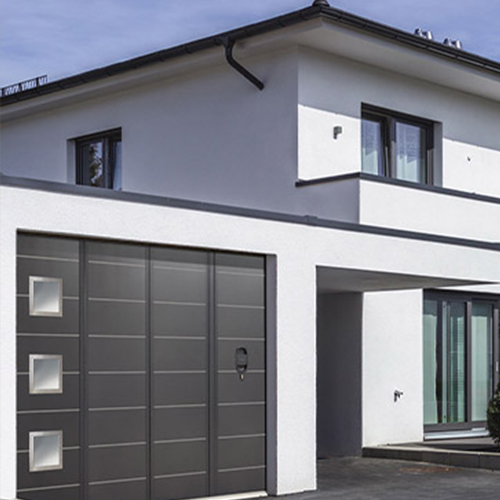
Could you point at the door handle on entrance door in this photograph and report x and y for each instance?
(241, 361)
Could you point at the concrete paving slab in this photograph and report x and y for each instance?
(379, 479)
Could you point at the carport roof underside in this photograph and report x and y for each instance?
(334, 280)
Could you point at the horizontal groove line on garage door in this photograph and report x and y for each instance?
(189, 405)
(110, 263)
(240, 306)
(233, 371)
(238, 469)
(242, 339)
(118, 408)
(65, 335)
(185, 440)
(120, 301)
(180, 372)
(116, 445)
(107, 336)
(243, 436)
(173, 337)
(174, 268)
(243, 403)
(117, 481)
(236, 273)
(117, 372)
(178, 303)
(181, 474)
(43, 257)
(57, 410)
(47, 488)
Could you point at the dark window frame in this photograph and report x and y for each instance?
(467, 299)
(108, 138)
(388, 120)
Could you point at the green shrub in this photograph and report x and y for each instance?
(494, 416)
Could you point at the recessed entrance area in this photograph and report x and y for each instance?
(151, 384)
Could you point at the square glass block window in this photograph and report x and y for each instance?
(46, 296)
(46, 374)
(46, 450)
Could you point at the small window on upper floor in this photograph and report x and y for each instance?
(99, 160)
(397, 145)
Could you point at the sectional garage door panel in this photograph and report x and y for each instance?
(117, 367)
(149, 364)
(180, 335)
(48, 368)
(241, 392)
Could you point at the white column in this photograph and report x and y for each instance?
(295, 374)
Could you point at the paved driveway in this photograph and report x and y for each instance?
(379, 479)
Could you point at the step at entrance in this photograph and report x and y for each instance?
(141, 371)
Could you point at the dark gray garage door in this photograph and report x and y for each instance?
(141, 371)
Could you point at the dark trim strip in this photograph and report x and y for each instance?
(308, 220)
(397, 182)
(313, 12)
(327, 180)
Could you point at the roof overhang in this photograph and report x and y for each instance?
(321, 28)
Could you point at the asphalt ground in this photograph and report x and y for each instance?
(381, 479)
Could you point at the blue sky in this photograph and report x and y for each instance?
(64, 37)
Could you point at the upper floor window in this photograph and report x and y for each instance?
(99, 160)
(396, 145)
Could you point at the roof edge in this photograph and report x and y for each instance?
(259, 28)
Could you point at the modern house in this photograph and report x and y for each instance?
(223, 260)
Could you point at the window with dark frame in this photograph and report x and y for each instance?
(396, 145)
(98, 160)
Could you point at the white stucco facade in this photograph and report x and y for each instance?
(193, 130)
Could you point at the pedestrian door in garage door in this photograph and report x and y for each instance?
(141, 371)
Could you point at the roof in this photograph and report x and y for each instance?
(319, 10)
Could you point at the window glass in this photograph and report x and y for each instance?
(430, 362)
(455, 378)
(396, 145)
(410, 152)
(99, 160)
(482, 359)
(372, 147)
(96, 163)
(116, 168)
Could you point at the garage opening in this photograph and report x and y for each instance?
(141, 371)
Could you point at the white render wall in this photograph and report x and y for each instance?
(206, 135)
(331, 91)
(392, 360)
(297, 249)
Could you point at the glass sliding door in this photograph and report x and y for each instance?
(460, 351)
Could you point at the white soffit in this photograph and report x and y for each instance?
(334, 280)
(398, 57)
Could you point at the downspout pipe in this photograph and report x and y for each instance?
(229, 45)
